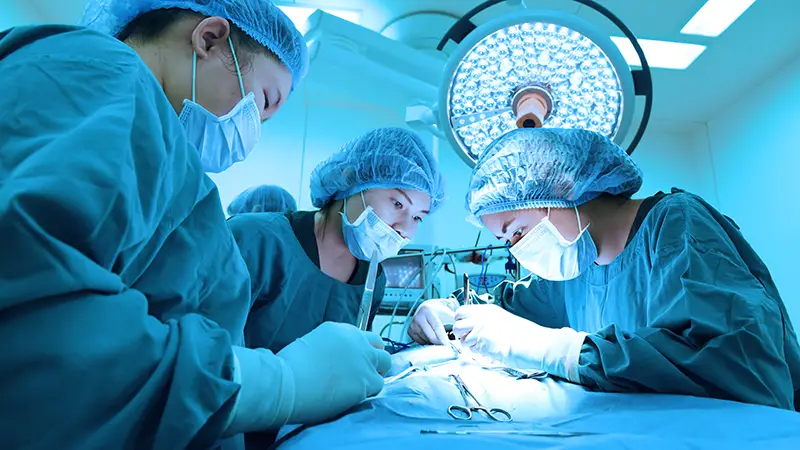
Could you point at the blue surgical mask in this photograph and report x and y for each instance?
(545, 252)
(222, 141)
(370, 233)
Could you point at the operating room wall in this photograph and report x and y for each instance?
(755, 144)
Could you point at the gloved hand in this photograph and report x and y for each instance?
(335, 367)
(427, 326)
(315, 378)
(491, 331)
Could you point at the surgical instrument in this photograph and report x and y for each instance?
(467, 296)
(459, 412)
(518, 374)
(411, 370)
(369, 288)
(542, 433)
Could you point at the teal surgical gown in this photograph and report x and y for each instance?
(121, 287)
(290, 294)
(687, 308)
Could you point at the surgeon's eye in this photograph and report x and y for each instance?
(515, 237)
(398, 205)
(418, 219)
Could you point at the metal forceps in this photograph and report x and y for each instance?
(467, 296)
(459, 412)
(364, 308)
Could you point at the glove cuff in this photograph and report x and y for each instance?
(266, 397)
(450, 302)
(561, 358)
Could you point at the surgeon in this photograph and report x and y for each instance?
(310, 267)
(265, 198)
(123, 296)
(658, 295)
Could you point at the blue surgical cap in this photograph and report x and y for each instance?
(386, 158)
(259, 19)
(533, 168)
(263, 199)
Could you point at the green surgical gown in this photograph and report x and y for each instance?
(687, 308)
(291, 295)
(121, 287)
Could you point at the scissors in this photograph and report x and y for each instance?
(366, 298)
(459, 412)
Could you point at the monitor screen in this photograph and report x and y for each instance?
(399, 270)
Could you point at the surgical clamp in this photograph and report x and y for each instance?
(459, 412)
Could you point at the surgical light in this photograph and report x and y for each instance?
(715, 17)
(534, 69)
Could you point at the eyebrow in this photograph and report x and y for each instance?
(505, 227)
(410, 202)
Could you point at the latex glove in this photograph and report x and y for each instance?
(491, 331)
(313, 379)
(427, 326)
(335, 367)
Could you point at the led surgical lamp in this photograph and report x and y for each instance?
(535, 68)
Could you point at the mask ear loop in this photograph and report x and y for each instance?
(194, 72)
(363, 201)
(236, 62)
(194, 77)
(581, 230)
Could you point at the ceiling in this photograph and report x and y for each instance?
(764, 39)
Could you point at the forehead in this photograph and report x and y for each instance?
(496, 221)
(421, 200)
(268, 67)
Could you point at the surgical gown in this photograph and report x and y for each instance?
(291, 295)
(121, 287)
(687, 308)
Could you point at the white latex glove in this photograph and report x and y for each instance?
(313, 379)
(491, 331)
(335, 367)
(427, 326)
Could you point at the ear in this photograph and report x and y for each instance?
(209, 35)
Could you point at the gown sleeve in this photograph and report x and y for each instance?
(91, 165)
(713, 329)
